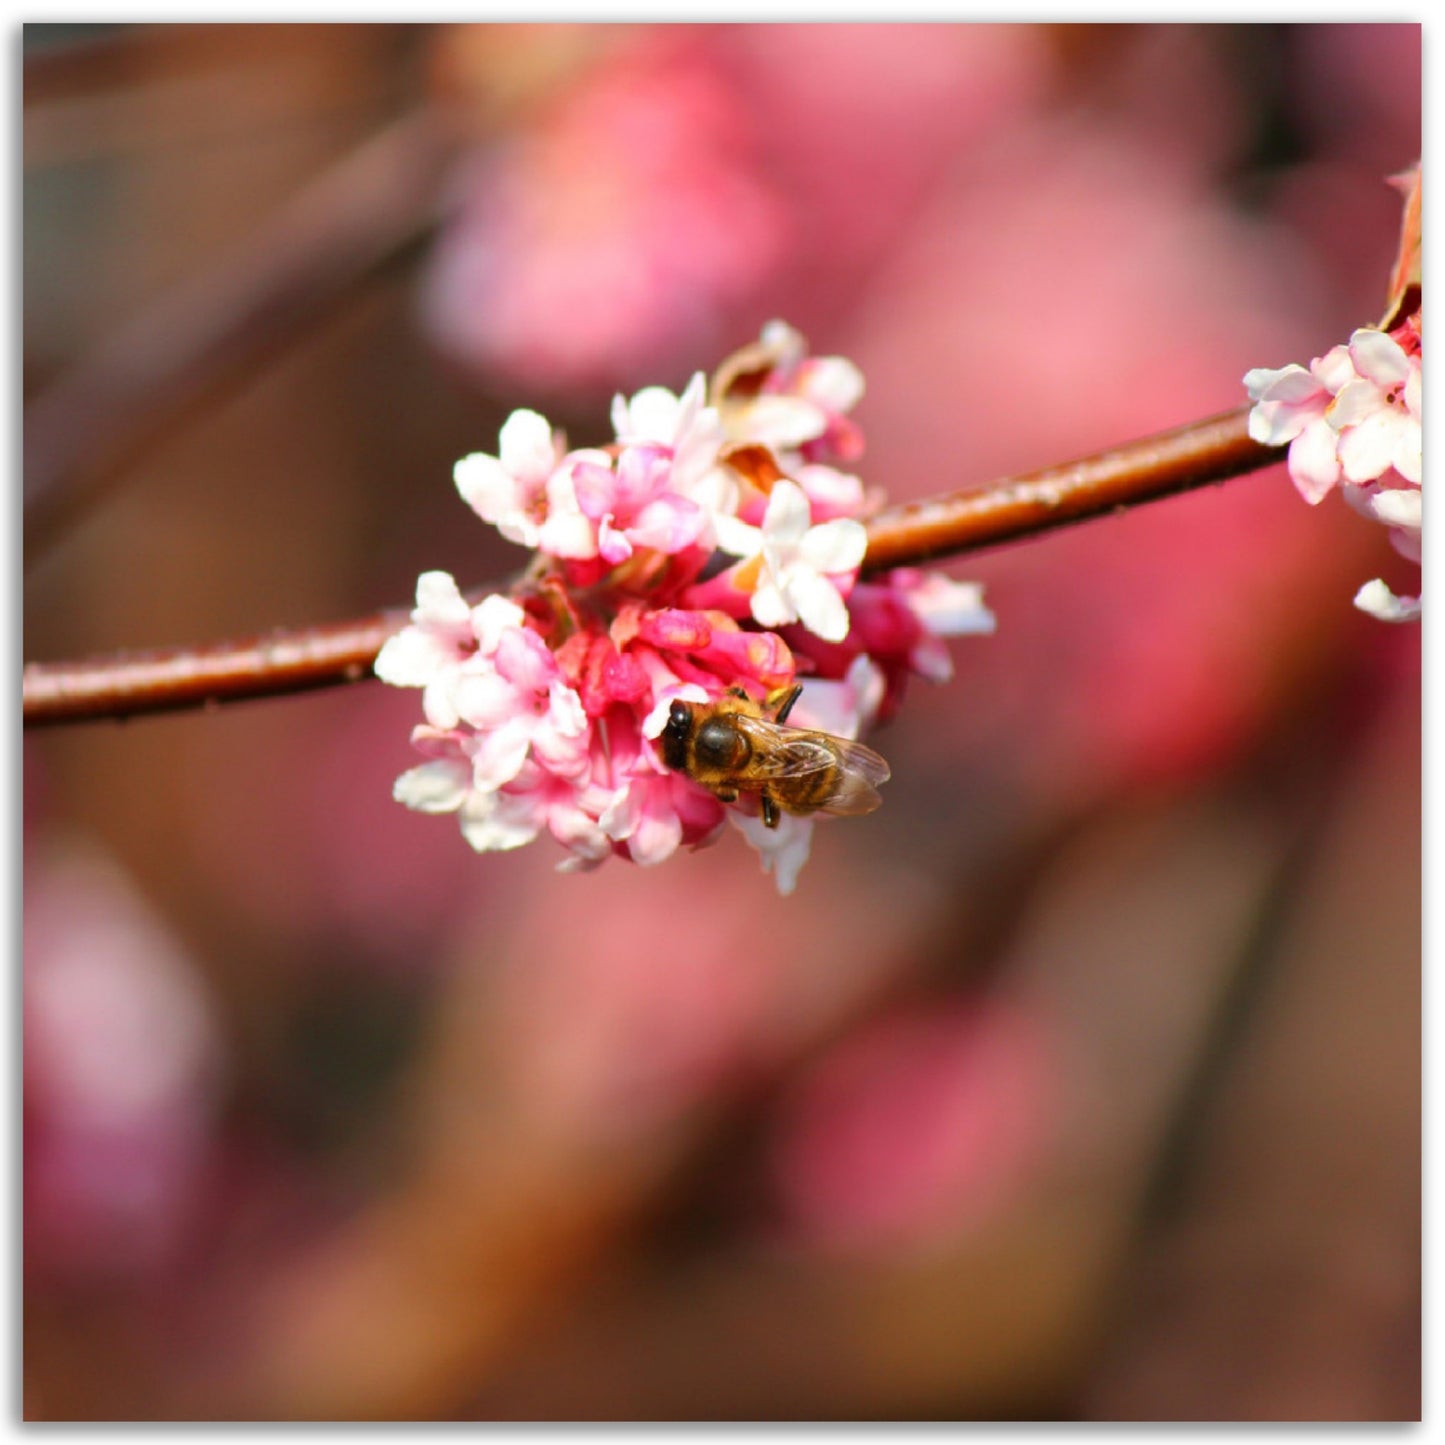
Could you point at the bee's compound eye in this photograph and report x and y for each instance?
(678, 714)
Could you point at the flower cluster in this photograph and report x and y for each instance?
(1352, 419)
(712, 544)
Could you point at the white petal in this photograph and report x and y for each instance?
(1314, 462)
(1377, 599)
(435, 787)
(1356, 400)
(528, 449)
(438, 702)
(1397, 507)
(568, 533)
(1379, 357)
(439, 601)
(1406, 458)
(770, 607)
(836, 546)
(819, 604)
(786, 521)
(783, 850)
(1288, 384)
(412, 658)
(1411, 395)
(1334, 369)
(834, 382)
(1406, 541)
(652, 416)
(783, 421)
(951, 609)
(737, 537)
(484, 697)
(499, 822)
(1367, 450)
(487, 487)
(786, 343)
(493, 616)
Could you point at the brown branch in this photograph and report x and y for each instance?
(371, 207)
(301, 659)
(1017, 507)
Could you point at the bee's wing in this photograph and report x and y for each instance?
(855, 789)
(781, 752)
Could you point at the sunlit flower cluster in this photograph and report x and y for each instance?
(1352, 419)
(712, 544)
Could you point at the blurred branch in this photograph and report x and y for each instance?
(363, 213)
(1014, 508)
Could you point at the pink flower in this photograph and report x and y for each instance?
(689, 431)
(1292, 405)
(543, 709)
(610, 235)
(510, 490)
(519, 705)
(633, 504)
(123, 1062)
(1355, 416)
(1377, 411)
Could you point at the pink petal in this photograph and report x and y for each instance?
(668, 524)
(525, 661)
(500, 755)
(1314, 464)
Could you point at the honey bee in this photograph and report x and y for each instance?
(737, 745)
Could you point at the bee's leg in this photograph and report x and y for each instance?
(782, 701)
(741, 692)
(725, 795)
(770, 811)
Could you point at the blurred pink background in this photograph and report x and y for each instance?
(1082, 1081)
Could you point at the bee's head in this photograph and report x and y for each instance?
(675, 733)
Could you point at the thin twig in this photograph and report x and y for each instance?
(300, 659)
(371, 207)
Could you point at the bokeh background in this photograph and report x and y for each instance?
(1080, 1082)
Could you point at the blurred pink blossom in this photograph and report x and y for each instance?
(921, 1123)
(122, 1064)
(614, 236)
